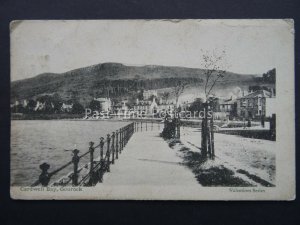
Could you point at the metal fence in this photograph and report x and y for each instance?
(89, 174)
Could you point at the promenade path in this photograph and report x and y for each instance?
(149, 169)
(148, 160)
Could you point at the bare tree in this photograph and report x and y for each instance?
(178, 90)
(214, 71)
(166, 95)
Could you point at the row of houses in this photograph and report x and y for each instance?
(41, 106)
(147, 106)
(253, 105)
(250, 105)
(154, 106)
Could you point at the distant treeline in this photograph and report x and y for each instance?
(115, 88)
(268, 77)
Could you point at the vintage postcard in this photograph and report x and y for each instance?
(152, 109)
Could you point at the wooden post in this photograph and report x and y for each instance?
(209, 143)
(212, 138)
(263, 121)
(202, 135)
(91, 149)
(75, 160)
(113, 147)
(273, 127)
(204, 138)
(178, 128)
(117, 144)
(205, 130)
(101, 148)
(108, 153)
(44, 178)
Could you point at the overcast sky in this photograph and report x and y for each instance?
(60, 46)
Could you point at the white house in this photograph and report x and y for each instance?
(66, 107)
(148, 93)
(105, 103)
(39, 106)
(255, 104)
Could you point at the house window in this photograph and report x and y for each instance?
(250, 103)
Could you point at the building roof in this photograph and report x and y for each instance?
(263, 93)
(227, 101)
(101, 99)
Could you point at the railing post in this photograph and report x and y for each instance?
(100, 171)
(101, 148)
(91, 149)
(120, 140)
(123, 137)
(108, 152)
(132, 132)
(129, 131)
(113, 147)
(75, 160)
(44, 178)
(125, 130)
(126, 134)
(117, 144)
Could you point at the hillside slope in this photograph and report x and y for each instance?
(116, 80)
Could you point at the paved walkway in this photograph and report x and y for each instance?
(148, 160)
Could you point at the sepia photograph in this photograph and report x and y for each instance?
(152, 109)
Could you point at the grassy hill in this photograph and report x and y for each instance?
(117, 80)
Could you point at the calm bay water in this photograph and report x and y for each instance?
(36, 141)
